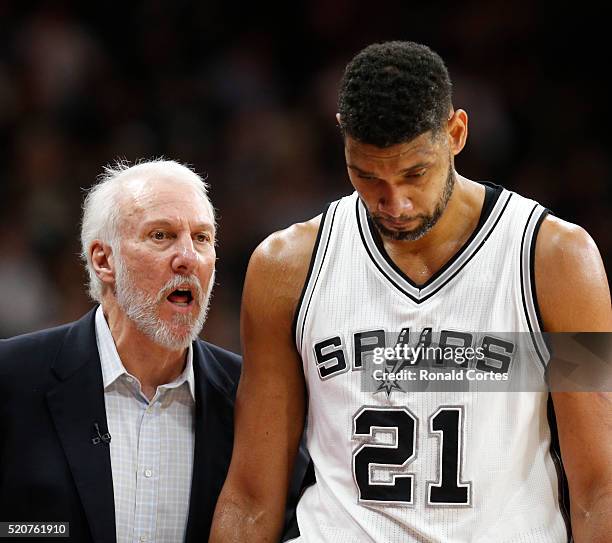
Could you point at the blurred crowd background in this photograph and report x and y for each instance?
(246, 94)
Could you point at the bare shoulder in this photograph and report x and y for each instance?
(279, 265)
(289, 247)
(558, 238)
(564, 248)
(571, 281)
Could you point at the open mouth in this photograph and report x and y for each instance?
(181, 297)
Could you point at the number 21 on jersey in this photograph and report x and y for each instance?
(446, 424)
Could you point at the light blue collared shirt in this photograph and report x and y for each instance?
(151, 447)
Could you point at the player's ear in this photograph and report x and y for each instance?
(339, 122)
(101, 255)
(457, 126)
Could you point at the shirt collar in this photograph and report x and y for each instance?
(113, 368)
(187, 375)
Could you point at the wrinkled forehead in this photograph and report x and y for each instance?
(168, 198)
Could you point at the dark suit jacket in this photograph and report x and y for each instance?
(51, 393)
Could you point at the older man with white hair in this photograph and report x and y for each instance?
(121, 423)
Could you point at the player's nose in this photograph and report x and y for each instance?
(394, 202)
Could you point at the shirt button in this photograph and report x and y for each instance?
(130, 380)
(148, 473)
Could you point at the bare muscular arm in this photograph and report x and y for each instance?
(573, 293)
(270, 403)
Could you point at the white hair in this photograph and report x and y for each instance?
(102, 210)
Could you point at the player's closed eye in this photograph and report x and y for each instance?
(416, 174)
(367, 177)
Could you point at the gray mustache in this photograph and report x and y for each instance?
(181, 280)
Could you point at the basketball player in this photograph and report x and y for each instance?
(416, 247)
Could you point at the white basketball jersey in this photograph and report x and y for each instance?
(442, 466)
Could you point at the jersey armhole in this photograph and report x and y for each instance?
(544, 213)
(317, 258)
(528, 284)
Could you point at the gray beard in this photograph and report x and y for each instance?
(427, 221)
(143, 309)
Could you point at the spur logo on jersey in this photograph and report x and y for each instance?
(393, 355)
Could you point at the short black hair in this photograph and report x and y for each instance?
(392, 92)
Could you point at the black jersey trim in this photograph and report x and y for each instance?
(555, 453)
(528, 298)
(484, 228)
(307, 284)
(310, 268)
(365, 245)
(534, 292)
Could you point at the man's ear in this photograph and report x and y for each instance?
(102, 261)
(457, 131)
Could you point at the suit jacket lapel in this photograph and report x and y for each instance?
(75, 404)
(214, 432)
